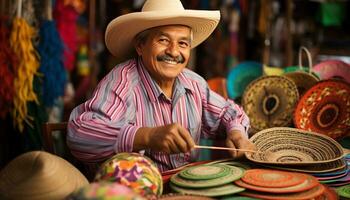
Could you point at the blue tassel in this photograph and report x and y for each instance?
(51, 63)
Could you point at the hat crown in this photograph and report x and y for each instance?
(162, 5)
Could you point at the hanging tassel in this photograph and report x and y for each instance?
(21, 43)
(51, 53)
(7, 70)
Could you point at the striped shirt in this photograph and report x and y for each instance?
(127, 98)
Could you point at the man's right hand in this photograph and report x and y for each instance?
(172, 138)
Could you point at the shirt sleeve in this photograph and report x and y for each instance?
(220, 115)
(103, 125)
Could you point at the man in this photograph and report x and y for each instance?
(152, 103)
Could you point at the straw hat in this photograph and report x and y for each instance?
(269, 101)
(39, 175)
(121, 31)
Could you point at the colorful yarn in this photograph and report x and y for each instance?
(21, 42)
(7, 70)
(66, 18)
(51, 53)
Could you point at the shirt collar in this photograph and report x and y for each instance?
(152, 88)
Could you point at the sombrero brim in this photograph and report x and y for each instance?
(121, 31)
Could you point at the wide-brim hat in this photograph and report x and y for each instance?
(325, 109)
(329, 69)
(39, 175)
(269, 101)
(121, 31)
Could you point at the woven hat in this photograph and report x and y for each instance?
(291, 146)
(269, 101)
(121, 31)
(39, 175)
(133, 170)
(105, 191)
(240, 76)
(325, 109)
(333, 69)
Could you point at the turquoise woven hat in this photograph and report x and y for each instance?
(240, 76)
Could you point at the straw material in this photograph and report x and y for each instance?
(270, 101)
(210, 192)
(324, 168)
(38, 175)
(290, 146)
(302, 80)
(325, 108)
(308, 194)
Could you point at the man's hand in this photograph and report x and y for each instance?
(172, 138)
(235, 139)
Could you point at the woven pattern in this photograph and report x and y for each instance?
(234, 174)
(308, 194)
(324, 168)
(302, 80)
(210, 192)
(134, 170)
(325, 108)
(293, 146)
(270, 101)
(205, 172)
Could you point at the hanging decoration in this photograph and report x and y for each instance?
(7, 69)
(21, 42)
(51, 54)
(66, 18)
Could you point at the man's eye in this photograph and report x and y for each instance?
(163, 40)
(184, 44)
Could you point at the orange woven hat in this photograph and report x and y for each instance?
(325, 108)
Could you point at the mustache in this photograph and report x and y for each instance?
(178, 59)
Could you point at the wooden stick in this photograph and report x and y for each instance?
(224, 148)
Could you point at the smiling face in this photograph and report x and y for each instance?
(165, 51)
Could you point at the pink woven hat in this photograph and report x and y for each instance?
(38, 175)
(121, 31)
(333, 69)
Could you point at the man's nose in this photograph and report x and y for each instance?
(173, 49)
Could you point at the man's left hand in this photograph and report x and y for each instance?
(235, 139)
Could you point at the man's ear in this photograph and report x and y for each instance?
(138, 48)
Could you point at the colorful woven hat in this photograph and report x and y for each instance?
(269, 101)
(105, 191)
(333, 69)
(325, 109)
(133, 170)
(291, 146)
(38, 175)
(240, 76)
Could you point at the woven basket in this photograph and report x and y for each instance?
(291, 146)
(303, 79)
